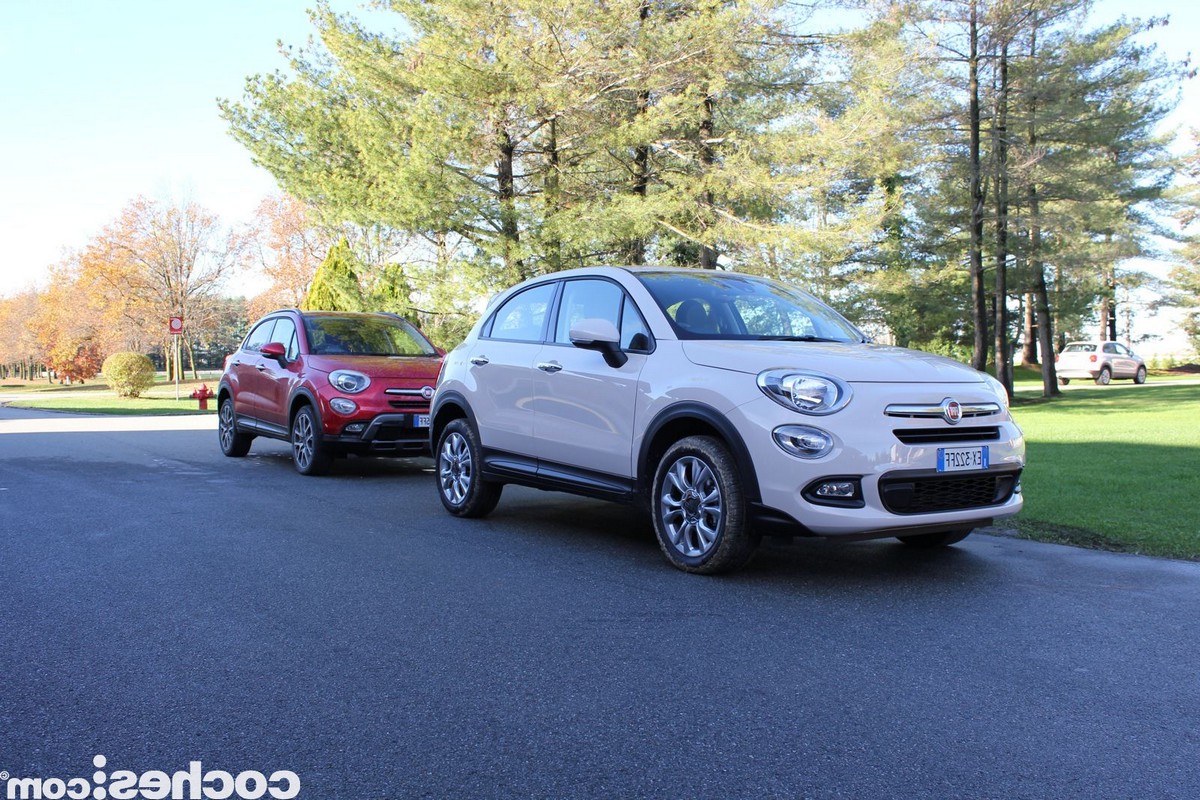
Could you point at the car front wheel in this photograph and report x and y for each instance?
(698, 508)
(1105, 376)
(1141, 375)
(462, 489)
(310, 456)
(233, 443)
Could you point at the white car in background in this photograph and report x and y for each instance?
(728, 405)
(1102, 362)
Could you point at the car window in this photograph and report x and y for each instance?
(706, 304)
(285, 334)
(588, 299)
(634, 333)
(365, 335)
(522, 318)
(1111, 349)
(1080, 347)
(259, 336)
(1122, 350)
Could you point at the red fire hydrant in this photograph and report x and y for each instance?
(202, 394)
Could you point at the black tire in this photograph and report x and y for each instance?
(1140, 377)
(233, 443)
(460, 486)
(1105, 376)
(930, 541)
(1064, 381)
(698, 508)
(309, 454)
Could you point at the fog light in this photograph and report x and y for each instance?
(843, 491)
(355, 427)
(802, 441)
(343, 406)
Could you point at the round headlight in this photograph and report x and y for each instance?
(806, 392)
(349, 381)
(802, 441)
(343, 406)
(997, 389)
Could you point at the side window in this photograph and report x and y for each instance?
(587, 299)
(1111, 349)
(523, 316)
(285, 334)
(634, 333)
(1122, 350)
(259, 336)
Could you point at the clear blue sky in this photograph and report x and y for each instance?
(106, 100)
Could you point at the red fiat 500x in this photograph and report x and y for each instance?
(331, 383)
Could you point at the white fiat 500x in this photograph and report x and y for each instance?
(729, 405)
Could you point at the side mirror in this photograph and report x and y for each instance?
(274, 350)
(600, 335)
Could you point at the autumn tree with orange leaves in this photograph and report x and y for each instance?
(159, 260)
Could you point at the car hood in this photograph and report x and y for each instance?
(853, 362)
(381, 366)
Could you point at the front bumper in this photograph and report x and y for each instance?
(900, 490)
(383, 434)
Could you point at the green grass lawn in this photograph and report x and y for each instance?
(1114, 467)
(96, 398)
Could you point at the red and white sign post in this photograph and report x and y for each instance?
(175, 328)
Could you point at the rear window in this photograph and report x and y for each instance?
(1080, 347)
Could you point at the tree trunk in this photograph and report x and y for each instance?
(1045, 326)
(636, 249)
(978, 290)
(1000, 134)
(708, 157)
(1029, 345)
(510, 235)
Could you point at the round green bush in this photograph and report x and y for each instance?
(128, 374)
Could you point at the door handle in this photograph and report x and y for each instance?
(260, 368)
(549, 366)
(479, 361)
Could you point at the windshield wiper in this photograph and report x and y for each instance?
(805, 338)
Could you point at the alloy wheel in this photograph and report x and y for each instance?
(691, 506)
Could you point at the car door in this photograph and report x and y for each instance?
(244, 373)
(502, 366)
(277, 379)
(583, 407)
(1124, 364)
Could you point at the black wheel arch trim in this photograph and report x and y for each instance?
(293, 407)
(450, 398)
(709, 416)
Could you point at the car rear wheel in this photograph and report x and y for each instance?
(933, 540)
(309, 455)
(233, 443)
(1064, 381)
(462, 489)
(1140, 377)
(1105, 376)
(698, 508)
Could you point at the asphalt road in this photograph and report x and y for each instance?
(161, 604)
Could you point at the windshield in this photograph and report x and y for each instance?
(713, 305)
(365, 336)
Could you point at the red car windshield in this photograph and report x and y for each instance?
(365, 336)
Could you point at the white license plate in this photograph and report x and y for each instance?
(957, 459)
(421, 421)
